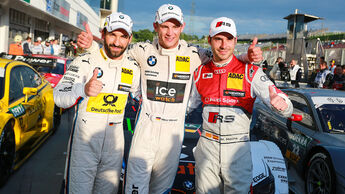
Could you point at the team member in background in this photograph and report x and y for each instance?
(16, 47)
(227, 88)
(321, 75)
(166, 66)
(99, 83)
(295, 73)
(27, 46)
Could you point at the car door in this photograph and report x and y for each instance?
(299, 133)
(20, 77)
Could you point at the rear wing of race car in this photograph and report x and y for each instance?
(33, 61)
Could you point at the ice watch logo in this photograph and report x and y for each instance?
(165, 91)
(213, 117)
(110, 100)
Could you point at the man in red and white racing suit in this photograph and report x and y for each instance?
(99, 83)
(227, 88)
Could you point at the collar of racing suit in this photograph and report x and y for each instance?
(164, 51)
(112, 63)
(221, 64)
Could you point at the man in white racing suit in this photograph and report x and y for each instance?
(227, 88)
(99, 83)
(166, 68)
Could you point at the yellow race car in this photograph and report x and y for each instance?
(28, 114)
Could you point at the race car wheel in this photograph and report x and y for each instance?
(56, 118)
(320, 176)
(7, 153)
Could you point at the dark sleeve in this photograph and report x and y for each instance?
(329, 81)
(26, 49)
(299, 75)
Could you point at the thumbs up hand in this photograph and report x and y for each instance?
(85, 38)
(93, 87)
(254, 53)
(277, 101)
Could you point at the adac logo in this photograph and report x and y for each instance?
(100, 72)
(127, 71)
(152, 61)
(235, 75)
(121, 16)
(170, 8)
(221, 23)
(110, 100)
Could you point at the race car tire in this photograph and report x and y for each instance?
(320, 175)
(7, 153)
(56, 118)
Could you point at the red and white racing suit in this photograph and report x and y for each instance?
(96, 144)
(222, 156)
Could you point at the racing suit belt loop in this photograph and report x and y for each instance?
(225, 139)
(158, 118)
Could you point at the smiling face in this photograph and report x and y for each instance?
(169, 33)
(222, 45)
(116, 42)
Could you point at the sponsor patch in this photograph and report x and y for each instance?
(251, 72)
(107, 103)
(264, 78)
(219, 71)
(17, 110)
(207, 75)
(165, 91)
(182, 63)
(233, 93)
(73, 68)
(152, 61)
(124, 88)
(151, 73)
(235, 81)
(180, 76)
(127, 76)
(66, 89)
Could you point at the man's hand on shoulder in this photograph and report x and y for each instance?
(254, 53)
(85, 38)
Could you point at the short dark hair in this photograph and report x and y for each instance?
(28, 38)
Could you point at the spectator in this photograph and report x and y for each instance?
(295, 73)
(284, 71)
(343, 67)
(16, 48)
(27, 46)
(336, 81)
(332, 66)
(321, 75)
(56, 47)
(37, 48)
(275, 72)
(47, 48)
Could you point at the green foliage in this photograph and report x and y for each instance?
(143, 35)
(330, 36)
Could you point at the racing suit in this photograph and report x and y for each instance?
(321, 77)
(222, 156)
(96, 143)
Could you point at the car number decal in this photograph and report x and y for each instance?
(18, 110)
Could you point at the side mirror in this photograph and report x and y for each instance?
(295, 117)
(29, 91)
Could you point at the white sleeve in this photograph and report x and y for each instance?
(260, 88)
(194, 98)
(71, 87)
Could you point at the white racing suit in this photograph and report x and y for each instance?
(96, 144)
(166, 77)
(222, 156)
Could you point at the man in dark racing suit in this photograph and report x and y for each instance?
(99, 83)
(227, 88)
(166, 67)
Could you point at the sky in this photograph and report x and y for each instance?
(250, 16)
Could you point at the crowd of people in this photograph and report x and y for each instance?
(331, 77)
(47, 47)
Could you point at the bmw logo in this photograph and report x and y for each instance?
(152, 61)
(189, 185)
(100, 72)
(121, 17)
(170, 7)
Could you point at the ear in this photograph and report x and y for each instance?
(130, 38)
(155, 26)
(209, 40)
(103, 34)
(184, 24)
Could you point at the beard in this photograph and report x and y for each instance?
(113, 54)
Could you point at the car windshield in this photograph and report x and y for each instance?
(332, 117)
(58, 69)
(2, 86)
